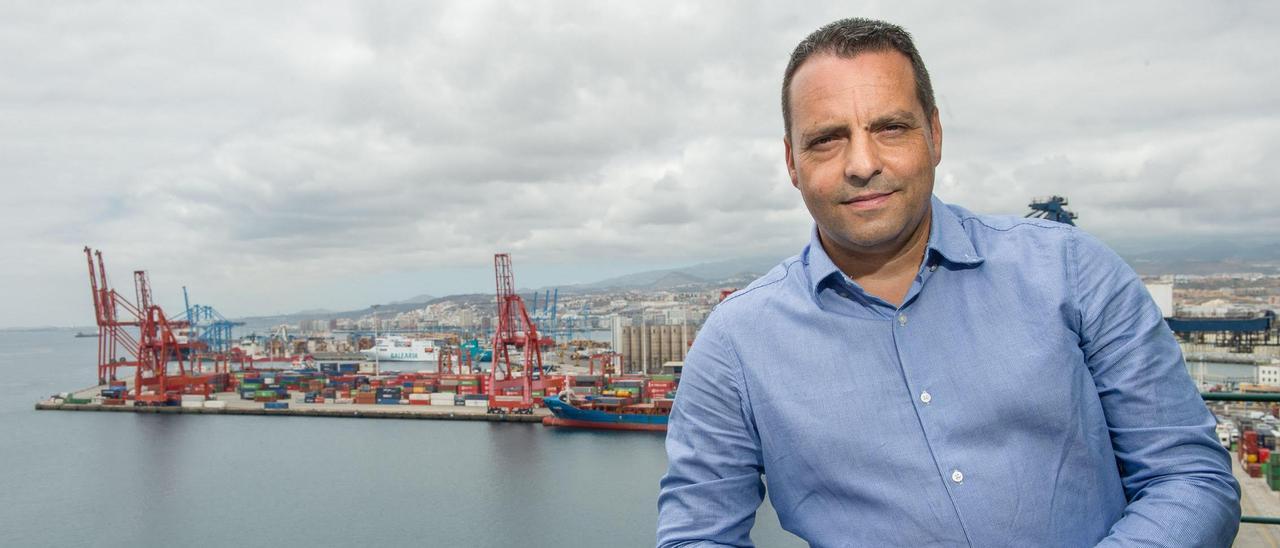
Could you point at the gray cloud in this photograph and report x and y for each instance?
(279, 157)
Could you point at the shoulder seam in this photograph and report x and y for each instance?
(977, 219)
(786, 273)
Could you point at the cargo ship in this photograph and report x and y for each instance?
(403, 349)
(602, 413)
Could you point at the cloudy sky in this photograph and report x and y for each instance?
(275, 157)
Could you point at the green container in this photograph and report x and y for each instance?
(251, 386)
(77, 401)
(468, 383)
(662, 377)
(1266, 470)
(265, 394)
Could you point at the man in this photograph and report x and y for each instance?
(923, 376)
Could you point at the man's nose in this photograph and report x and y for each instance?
(862, 160)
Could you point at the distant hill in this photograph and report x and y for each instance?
(704, 274)
(420, 299)
(1200, 256)
(392, 308)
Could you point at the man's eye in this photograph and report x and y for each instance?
(895, 128)
(821, 141)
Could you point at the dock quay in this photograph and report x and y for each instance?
(233, 405)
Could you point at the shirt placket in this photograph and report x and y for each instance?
(910, 345)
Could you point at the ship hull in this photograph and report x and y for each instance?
(600, 425)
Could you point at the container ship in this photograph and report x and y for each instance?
(613, 403)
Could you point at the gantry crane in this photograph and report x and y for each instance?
(154, 349)
(514, 329)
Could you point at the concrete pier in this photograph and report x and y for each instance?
(237, 406)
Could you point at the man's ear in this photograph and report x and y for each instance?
(935, 134)
(791, 161)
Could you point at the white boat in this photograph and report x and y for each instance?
(402, 349)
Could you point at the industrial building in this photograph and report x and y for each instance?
(645, 347)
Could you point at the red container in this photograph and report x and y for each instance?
(1250, 436)
(1254, 469)
(1264, 455)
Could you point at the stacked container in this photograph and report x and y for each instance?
(1273, 472)
(389, 395)
(1249, 447)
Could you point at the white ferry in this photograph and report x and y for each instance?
(402, 349)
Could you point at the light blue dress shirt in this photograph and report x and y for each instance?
(1026, 393)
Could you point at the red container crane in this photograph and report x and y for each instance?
(509, 392)
(155, 348)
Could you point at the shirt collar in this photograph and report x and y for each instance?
(948, 242)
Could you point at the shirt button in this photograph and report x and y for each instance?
(957, 476)
(926, 397)
(902, 319)
(933, 268)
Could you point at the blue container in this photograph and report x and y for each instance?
(276, 405)
(247, 394)
(388, 401)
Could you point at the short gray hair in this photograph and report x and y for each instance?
(849, 37)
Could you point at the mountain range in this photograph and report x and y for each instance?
(1147, 258)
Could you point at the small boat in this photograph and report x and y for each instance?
(83, 335)
(607, 414)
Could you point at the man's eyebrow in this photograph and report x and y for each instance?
(897, 116)
(824, 130)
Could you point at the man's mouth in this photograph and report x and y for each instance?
(869, 201)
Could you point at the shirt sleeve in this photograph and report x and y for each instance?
(1176, 474)
(713, 487)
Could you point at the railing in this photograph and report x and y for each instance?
(1248, 397)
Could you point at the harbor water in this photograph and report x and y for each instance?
(126, 479)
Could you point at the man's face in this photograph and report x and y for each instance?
(862, 150)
